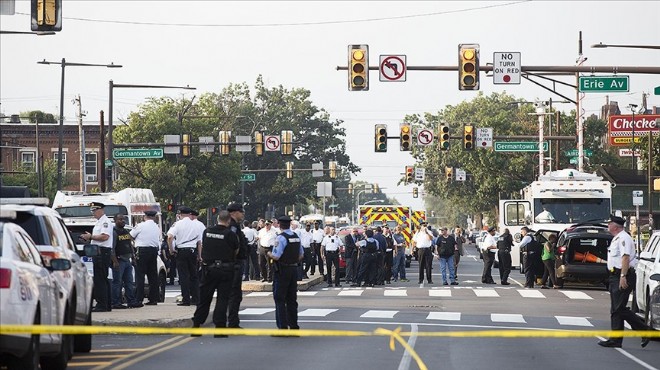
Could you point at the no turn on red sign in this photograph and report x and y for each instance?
(392, 68)
(506, 68)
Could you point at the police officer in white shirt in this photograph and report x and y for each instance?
(330, 252)
(423, 240)
(251, 265)
(488, 249)
(101, 236)
(187, 235)
(267, 240)
(306, 242)
(621, 262)
(317, 257)
(147, 241)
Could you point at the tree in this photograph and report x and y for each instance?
(39, 116)
(30, 179)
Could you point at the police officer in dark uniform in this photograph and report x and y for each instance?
(237, 214)
(504, 244)
(287, 253)
(368, 269)
(219, 249)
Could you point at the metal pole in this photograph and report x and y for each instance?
(557, 143)
(81, 145)
(61, 133)
(101, 164)
(632, 143)
(650, 185)
(578, 112)
(39, 160)
(242, 184)
(639, 229)
(110, 84)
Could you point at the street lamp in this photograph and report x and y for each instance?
(113, 85)
(602, 46)
(38, 33)
(64, 64)
(632, 108)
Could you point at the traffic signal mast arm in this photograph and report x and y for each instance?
(564, 69)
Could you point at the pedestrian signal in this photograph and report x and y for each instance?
(405, 134)
(289, 170)
(415, 192)
(468, 137)
(287, 142)
(381, 138)
(225, 136)
(468, 67)
(185, 147)
(332, 167)
(358, 67)
(350, 188)
(449, 171)
(259, 143)
(410, 174)
(444, 137)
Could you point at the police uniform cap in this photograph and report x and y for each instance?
(185, 210)
(194, 213)
(491, 229)
(617, 220)
(235, 207)
(96, 205)
(423, 223)
(284, 219)
(150, 213)
(268, 222)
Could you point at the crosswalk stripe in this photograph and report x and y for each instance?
(505, 317)
(528, 293)
(448, 316)
(308, 293)
(256, 311)
(575, 295)
(351, 293)
(485, 292)
(259, 294)
(395, 293)
(376, 314)
(574, 321)
(316, 312)
(440, 293)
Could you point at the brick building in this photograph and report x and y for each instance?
(18, 150)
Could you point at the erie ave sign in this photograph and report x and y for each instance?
(601, 84)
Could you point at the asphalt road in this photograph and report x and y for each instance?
(419, 309)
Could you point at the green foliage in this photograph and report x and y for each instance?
(39, 116)
(31, 179)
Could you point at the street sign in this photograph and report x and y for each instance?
(656, 91)
(272, 143)
(172, 139)
(323, 189)
(520, 146)
(620, 127)
(246, 143)
(601, 84)
(108, 162)
(248, 177)
(419, 173)
(484, 137)
(137, 153)
(317, 169)
(638, 197)
(460, 174)
(206, 148)
(392, 68)
(425, 137)
(627, 152)
(573, 160)
(574, 153)
(506, 68)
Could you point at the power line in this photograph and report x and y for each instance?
(292, 24)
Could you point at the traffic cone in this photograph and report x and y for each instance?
(588, 257)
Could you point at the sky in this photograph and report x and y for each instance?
(299, 44)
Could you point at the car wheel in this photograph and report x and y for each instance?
(83, 342)
(648, 315)
(162, 282)
(31, 358)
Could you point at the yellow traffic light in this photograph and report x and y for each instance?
(468, 137)
(468, 67)
(449, 171)
(46, 15)
(358, 67)
(225, 137)
(410, 176)
(259, 143)
(185, 147)
(415, 192)
(443, 137)
(350, 188)
(332, 167)
(287, 142)
(376, 189)
(405, 135)
(289, 170)
(380, 138)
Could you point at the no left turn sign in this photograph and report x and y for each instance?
(272, 143)
(392, 68)
(425, 137)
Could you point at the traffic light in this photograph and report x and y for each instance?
(259, 143)
(332, 167)
(415, 192)
(410, 176)
(46, 15)
(287, 142)
(289, 170)
(381, 138)
(405, 134)
(350, 188)
(443, 137)
(468, 137)
(376, 189)
(358, 67)
(225, 137)
(214, 211)
(449, 171)
(468, 67)
(185, 147)
(170, 207)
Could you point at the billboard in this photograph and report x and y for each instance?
(620, 128)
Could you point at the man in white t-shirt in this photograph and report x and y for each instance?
(423, 240)
(251, 266)
(267, 240)
(488, 249)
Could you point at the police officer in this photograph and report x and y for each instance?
(101, 236)
(368, 269)
(147, 241)
(504, 244)
(330, 251)
(621, 262)
(219, 249)
(287, 253)
(187, 240)
(237, 214)
(122, 269)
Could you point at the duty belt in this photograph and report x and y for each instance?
(219, 263)
(616, 271)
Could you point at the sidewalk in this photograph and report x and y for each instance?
(168, 314)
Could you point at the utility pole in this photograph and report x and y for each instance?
(579, 113)
(81, 144)
(101, 162)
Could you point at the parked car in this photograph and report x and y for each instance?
(582, 251)
(53, 241)
(31, 295)
(648, 264)
(653, 317)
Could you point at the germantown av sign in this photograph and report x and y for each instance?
(620, 128)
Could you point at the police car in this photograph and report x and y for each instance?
(53, 240)
(648, 264)
(30, 296)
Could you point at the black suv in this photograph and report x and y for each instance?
(582, 254)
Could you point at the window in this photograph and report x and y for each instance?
(90, 166)
(27, 159)
(63, 159)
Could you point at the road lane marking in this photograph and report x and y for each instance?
(571, 294)
(395, 293)
(307, 294)
(351, 293)
(633, 358)
(405, 359)
(255, 311)
(527, 293)
(149, 350)
(574, 321)
(504, 317)
(377, 314)
(180, 341)
(440, 293)
(447, 316)
(485, 292)
(259, 294)
(317, 312)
